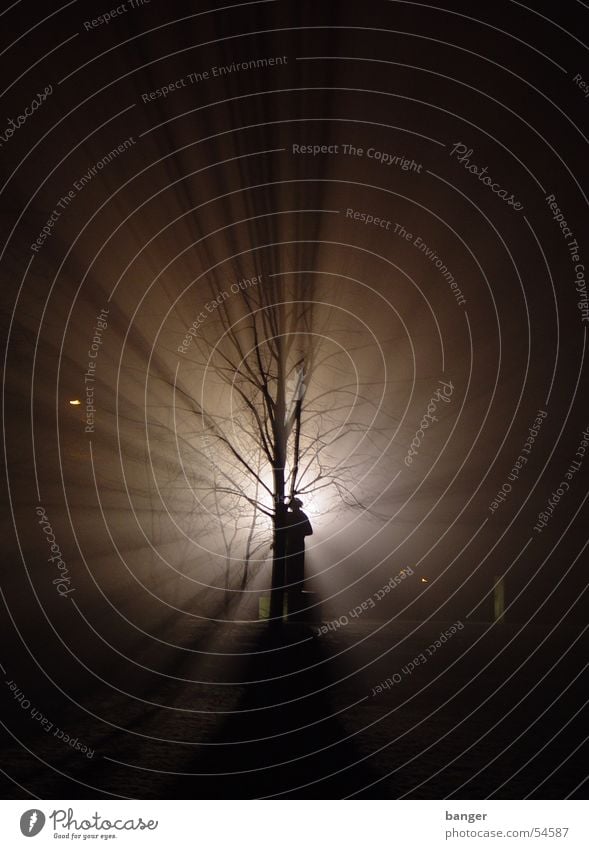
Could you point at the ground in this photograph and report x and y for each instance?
(299, 715)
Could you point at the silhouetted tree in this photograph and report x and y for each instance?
(265, 373)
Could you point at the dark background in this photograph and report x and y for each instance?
(140, 663)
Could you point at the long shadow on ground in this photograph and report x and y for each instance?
(284, 739)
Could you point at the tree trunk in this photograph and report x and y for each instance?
(280, 440)
(279, 552)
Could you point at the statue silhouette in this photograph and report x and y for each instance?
(298, 527)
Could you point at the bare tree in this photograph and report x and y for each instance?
(267, 376)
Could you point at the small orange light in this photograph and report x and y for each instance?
(75, 402)
(424, 581)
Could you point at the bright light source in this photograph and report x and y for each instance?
(75, 402)
(424, 581)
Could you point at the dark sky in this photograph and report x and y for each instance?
(422, 166)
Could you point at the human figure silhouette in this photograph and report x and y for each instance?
(298, 527)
